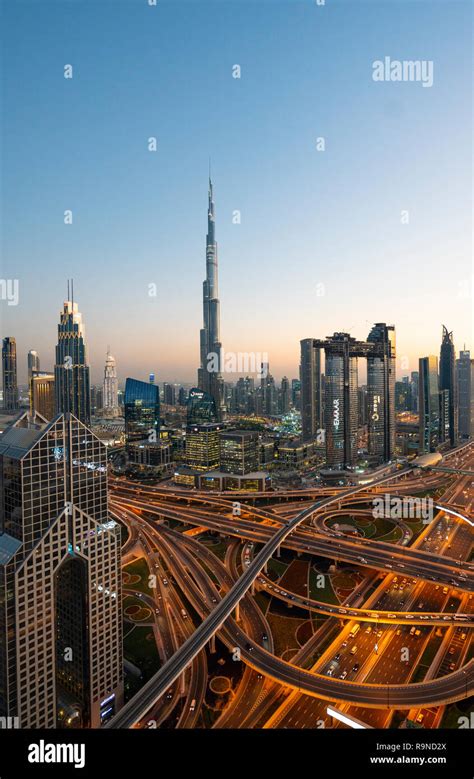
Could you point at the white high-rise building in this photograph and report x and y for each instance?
(33, 363)
(110, 396)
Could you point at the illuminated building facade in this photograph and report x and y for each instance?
(239, 451)
(203, 446)
(60, 577)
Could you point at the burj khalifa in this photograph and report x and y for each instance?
(209, 374)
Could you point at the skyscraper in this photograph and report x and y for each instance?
(33, 363)
(201, 407)
(42, 399)
(60, 577)
(203, 446)
(209, 374)
(9, 371)
(71, 371)
(110, 391)
(142, 411)
(429, 404)
(447, 381)
(285, 395)
(465, 383)
(310, 384)
(381, 369)
(341, 409)
(169, 394)
(239, 451)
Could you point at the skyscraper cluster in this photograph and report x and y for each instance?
(340, 400)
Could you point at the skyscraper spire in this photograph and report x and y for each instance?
(209, 376)
(71, 370)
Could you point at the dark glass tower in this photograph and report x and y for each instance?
(9, 371)
(142, 411)
(429, 404)
(447, 381)
(209, 376)
(465, 380)
(71, 371)
(201, 407)
(311, 396)
(381, 369)
(341, 398)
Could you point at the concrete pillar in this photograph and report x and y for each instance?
(212, 644)
(237, 612)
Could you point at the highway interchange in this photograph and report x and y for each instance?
(435, 578)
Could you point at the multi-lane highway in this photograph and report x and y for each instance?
(451, 687)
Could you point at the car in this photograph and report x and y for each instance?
(338, 656)
(264, 637)
(249, 647)
(355, 667)
(343, 675)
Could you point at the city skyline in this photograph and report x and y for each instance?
(237, 457)
(312, 221)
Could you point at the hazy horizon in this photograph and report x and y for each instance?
(322, 244)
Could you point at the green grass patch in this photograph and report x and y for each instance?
(325, 594)
(138, 568)
(141, 650)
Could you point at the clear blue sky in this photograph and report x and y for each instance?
(307, 217)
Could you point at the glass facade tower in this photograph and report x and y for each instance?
(447, 382)
(71, 371)
(465, 382)
(429, 404)
(311, 395)
(142, 411)
(381, 369)
(60, 577)
(9, 373)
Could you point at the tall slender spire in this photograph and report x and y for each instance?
(209, 375)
